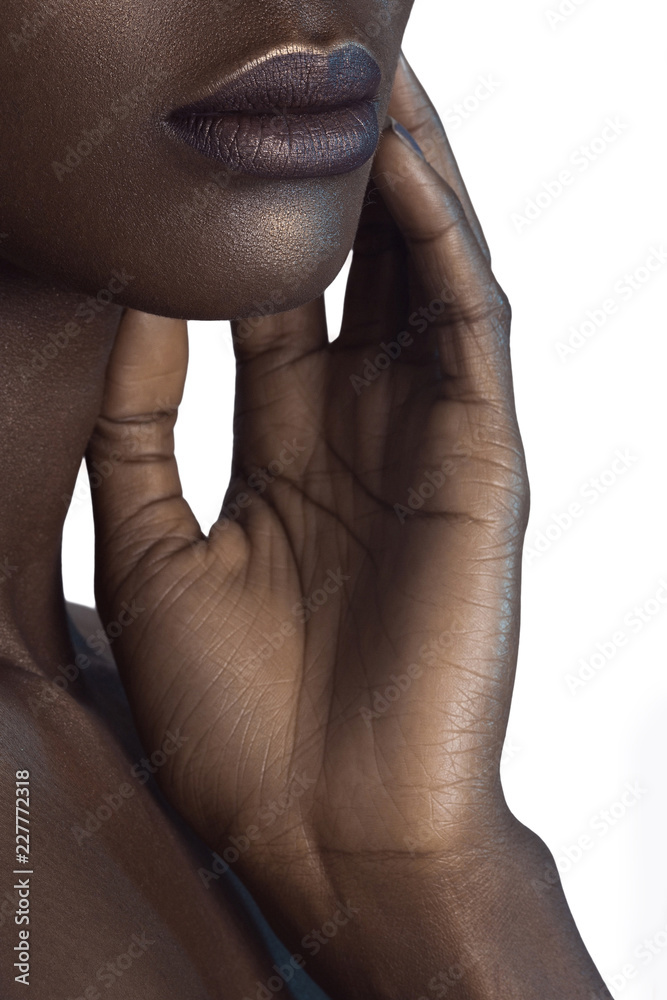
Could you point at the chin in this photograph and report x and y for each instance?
(255, 249)
(210, 297)
(264, 250)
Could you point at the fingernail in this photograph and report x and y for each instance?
(406, 137)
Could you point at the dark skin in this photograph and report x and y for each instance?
(91, 894)
(401, 813)
(80, 745)
(221, 260)
(121, 209)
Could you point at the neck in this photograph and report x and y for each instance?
(53, 353)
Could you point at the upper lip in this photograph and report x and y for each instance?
(293, 80)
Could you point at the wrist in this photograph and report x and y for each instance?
(474, 922)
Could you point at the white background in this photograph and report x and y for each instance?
(551, 86)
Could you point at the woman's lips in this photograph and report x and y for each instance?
(294, 114)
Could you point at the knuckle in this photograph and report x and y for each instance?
(502, 461)
(490, 306)
(454, 206)
(523, 493)
(133, 436)
(502, 307)
(486, 250)
(519, 483)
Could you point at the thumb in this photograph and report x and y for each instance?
(137, 498)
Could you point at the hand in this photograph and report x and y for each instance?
(339, 652)
(372, 531)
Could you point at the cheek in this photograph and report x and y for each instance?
(194, 241)
(195, 244)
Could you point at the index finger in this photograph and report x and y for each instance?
(412, 107)
(473, 311)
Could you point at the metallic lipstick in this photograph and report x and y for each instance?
(296, 113)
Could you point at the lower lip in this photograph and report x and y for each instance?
(285, 145)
